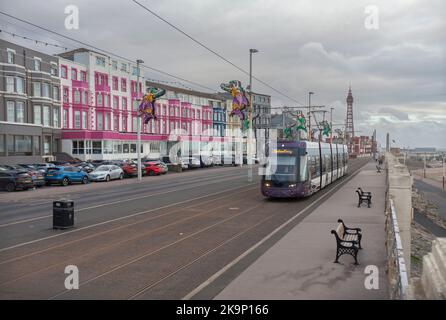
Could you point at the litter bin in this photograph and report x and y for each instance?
(63, 214)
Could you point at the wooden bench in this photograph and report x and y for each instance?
(364, 197)
(348, 241)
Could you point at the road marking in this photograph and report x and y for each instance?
(157, 250)
(115, 202)
(282, 226)
(120, 218)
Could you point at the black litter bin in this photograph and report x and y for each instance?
(63, 214)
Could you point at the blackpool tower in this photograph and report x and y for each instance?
(349, 127)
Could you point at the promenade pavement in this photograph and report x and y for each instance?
(300, 265)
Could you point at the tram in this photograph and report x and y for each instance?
(297, 169)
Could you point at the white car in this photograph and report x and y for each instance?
(107, 173)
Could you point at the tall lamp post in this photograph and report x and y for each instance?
(138, 62)
(249, 160)
(309, 115)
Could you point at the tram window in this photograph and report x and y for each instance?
(312, 166)
(303, 168)
(318, 166)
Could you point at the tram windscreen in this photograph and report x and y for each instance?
(282, 168)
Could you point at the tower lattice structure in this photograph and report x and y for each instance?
(349, 126)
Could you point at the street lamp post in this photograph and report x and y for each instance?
(138, 62)
(442, 162)
(249, 160)
(331, 124)
(309, 115)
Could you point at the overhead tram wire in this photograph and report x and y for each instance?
(106, 51)
(214, 52)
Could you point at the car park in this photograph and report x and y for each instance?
(11, 180)
(107, 173)
(65, 175)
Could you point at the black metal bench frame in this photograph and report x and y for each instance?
(348, 241)
(378, 169)
(364, 197)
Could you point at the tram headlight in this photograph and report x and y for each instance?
(267, 184)
(292, 185)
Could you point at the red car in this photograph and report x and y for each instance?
(130, 169)
(154, 168)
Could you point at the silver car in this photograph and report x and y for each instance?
(107, 173)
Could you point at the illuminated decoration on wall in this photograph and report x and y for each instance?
(239, 100)
(300, 125)
(147, 106)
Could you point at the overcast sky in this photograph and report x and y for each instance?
(397, 72)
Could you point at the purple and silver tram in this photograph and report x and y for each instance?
(297, 169)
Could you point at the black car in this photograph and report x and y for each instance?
(37, 175)
(11, 180)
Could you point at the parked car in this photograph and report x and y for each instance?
(107, 173)
(192, 162)
(163, 164)
(130, 169)
(43, 166)
(154, 168)
(37, 176)
(11, 180)
(65, 175)
(85, 166)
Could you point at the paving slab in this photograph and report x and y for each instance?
(300, 265)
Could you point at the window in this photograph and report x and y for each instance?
(100, 121)
(100, 61)
(65, 118)
(124, 103)
(46, 116)
(115, 102)
(20, 111)
(37, 89)
(107, 102)
(77, 96)
(123, 85)
(115, 83)
(99, 98)
(36, 145)
(84, 119)
(11, 56)
(37, 115)
(107, 121)
(73, 74)
(83, 76)
(53, 69)
(65, 95)
(10, 84)
(115, 65)
(135, 71)
(84, 97)
(19, 84)
(56, 93)
(124, 124)
(45, 90)
(97, 147)
(22, 144)
(10, 111)
(77, 119)
(56, 117)
(37, 63)
(63, 72)
(124, 67)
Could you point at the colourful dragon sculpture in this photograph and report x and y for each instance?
(239, 100)
(147, 106)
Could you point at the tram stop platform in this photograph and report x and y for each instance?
(300, 265)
